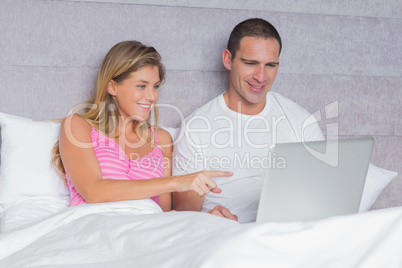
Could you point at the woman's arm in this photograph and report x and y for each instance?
(83, 169)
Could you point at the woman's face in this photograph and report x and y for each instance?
(137, 94)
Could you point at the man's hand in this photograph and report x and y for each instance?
(222, 212)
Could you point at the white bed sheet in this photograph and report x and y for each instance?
(138, 234)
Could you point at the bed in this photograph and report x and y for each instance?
(39, 229)
(137, 234)
(341, 62)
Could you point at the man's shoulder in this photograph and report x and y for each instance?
(280, 98)
(286, 104)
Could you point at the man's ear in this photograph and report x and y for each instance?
(227, 59)
(111, 88)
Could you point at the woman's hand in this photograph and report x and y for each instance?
(200, 182)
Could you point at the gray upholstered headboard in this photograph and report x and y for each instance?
(343, 52)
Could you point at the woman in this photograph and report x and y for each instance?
(111, 152)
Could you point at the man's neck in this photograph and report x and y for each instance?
(238, 104)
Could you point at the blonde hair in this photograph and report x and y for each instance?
(100, 111)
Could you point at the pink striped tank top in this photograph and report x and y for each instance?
(115, 164)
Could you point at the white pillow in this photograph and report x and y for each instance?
(26, 169)
(377, 179)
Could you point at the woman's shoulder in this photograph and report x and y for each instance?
(76, 122)
(76, 126)
(165, 142)
(164, 137)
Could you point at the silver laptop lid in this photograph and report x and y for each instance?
(314, 180)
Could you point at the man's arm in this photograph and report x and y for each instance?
(187, 201)
(188, 154)
(185, 153)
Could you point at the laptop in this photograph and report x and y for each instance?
(309, 181)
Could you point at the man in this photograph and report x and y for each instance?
(234, 131)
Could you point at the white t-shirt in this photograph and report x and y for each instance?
(217, 138)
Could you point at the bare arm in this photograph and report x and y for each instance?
(184, 155)
(187, 148)
(190, 201)
(183, 160)
(187, 201)
(82, 166)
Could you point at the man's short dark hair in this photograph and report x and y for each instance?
(255, 27)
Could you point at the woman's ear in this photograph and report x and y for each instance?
(111, 88)
(227, 59)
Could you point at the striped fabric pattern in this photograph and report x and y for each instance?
(115, 164)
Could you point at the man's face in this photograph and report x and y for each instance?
(252, 73)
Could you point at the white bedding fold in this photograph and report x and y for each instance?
(136, 234)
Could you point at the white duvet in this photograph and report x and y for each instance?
(138, 234)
